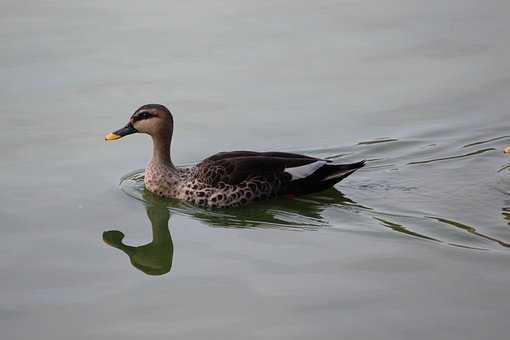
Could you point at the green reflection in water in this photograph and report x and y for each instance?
(304, 212)
(155, 257)
(308, 212)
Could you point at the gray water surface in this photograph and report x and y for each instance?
(416, 245)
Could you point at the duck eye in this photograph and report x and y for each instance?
(143, 115)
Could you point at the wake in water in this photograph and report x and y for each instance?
(433, 187)
(327, 210)
(333, 210)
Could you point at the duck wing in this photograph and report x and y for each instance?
(237, 154)
(235, 169)
(299, 173)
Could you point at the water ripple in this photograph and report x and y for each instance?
(410, 201)
(453, 157)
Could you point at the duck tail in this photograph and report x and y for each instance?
(323, 178)
(337, 172)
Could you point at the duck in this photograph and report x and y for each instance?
(507, 149)
(227, 179)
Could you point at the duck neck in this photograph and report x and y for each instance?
(161, 152)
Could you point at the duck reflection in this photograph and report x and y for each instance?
(303, 212)
(309, 212)
(155, 257)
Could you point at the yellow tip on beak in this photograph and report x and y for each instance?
(112, 136)
(507, 150)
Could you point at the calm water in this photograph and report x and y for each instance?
(414, 246)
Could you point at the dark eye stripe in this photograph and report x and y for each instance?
(142, 115)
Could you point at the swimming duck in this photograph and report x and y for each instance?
(507, 150)
(227, 179)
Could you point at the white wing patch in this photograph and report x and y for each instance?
(304, 170)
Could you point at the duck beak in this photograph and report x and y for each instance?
(507, 150)
(126, 130)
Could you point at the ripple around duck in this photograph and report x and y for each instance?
(330, 209)
(485, 141)
(281, 213)
(477, 152)
(425, 187)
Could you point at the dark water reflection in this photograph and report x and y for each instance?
(155, 257)
(304, 212)
(330, 208)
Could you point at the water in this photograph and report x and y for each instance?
(413, 246)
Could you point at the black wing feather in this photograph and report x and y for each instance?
(236, 154)
(235, 169)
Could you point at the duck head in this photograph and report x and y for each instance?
(152, 119)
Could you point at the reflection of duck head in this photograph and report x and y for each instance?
(155, 257)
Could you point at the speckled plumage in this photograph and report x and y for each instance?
(207, 185)
(227, 179)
